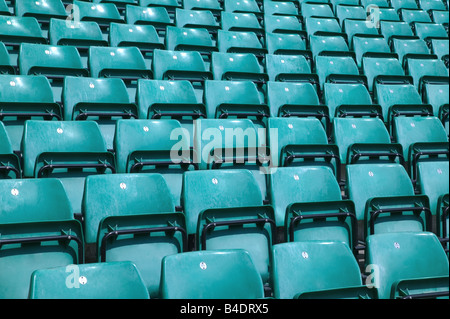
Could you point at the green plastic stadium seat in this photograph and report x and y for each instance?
(102, 13)
(154, 148)
(437, 95)
(41, 10)
(114, 280)
(322, 26)
(427, 71)
(428, 31)
(440, 16)
(344, 12)
(389, 14)
(155, 16)
(285, 44)
(234, 99)
(349, 99)
(327, 44)
(431, 5)
(68, 150)
(412, 16)
(228, 274)
(24, 97)
(289, 68)
(332, 68)
(9, 162)
(189, 39)
(370, 132)
(237, 66)
(81, 34)
(224, 208)
(240, 42)
(384, 199)
(242, 22)
(301, 270)
(178, 65)
(242, 6)
(410, 49)
(358, 28)
(381, 67)
(5, 61)
(396, 30)
(399, 93)
(400, 4)
(38, 231)
(196, 19)
(370, 46)
(311, 9)
(280, 8)
(409, 265)
(283, 24)
(170, 5)
(132, 217)
(213, 6)
(440, 47)
(288, 99)
(102, 100)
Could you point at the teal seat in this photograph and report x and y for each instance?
(228, 274)
(102, 13)
(285, 44)
(132, 217)
(359, 138)
(170, 5)
(155, 16)
(196, 19)
(189, 39)
(68, 150)
(9, 162)
(414, 15)
(240, 42)
(225, 208)
(370, 46)
(5, 61)
(292, 68)
(389, 14)
(89, 281)
(154, 148)
(234, 99)
(428, 31)
(358, 28)
(301, 271)
(213, 6)
(349, 99)
(410, 48)
(345, 11)
(385, 200)
(288, 99)
(241, 22)
(396, 30)
(38, 230)
(327, 44)
(81, 34)
(431, 5)
(24, 97)
(308, 205)
(4, 9)
(322, 26)
(332, 68)
(427, 71)
(126, 63)
(42, 11)
(408, 265)
(102, 100)
(178, 65)
(440, 47)
(440, 16)
(283, 24)
(437, 95)
(381, 67)
(247, 6)
(391, 95)
(280, 8)
(310, 9)
(237, 66)
(400, 4)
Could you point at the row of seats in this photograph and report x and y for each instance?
(149, 145)
(132, 217)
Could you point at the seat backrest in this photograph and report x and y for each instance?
(348, 131)
(337, 95)
(288, 185)
(102, 13)
(82, 34)
(234, 66)
(432, 181)
(280, 67)
(366, 181)
(188, 39)
(20, 29)
(226, 274)
(167, 61)
(145, 37)
(373, 67)
(59, 137)
(280, 43)
(40, 10)
(305, 267)
(404, 256)
(196, 19)
(205, 189)
(89, 281)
